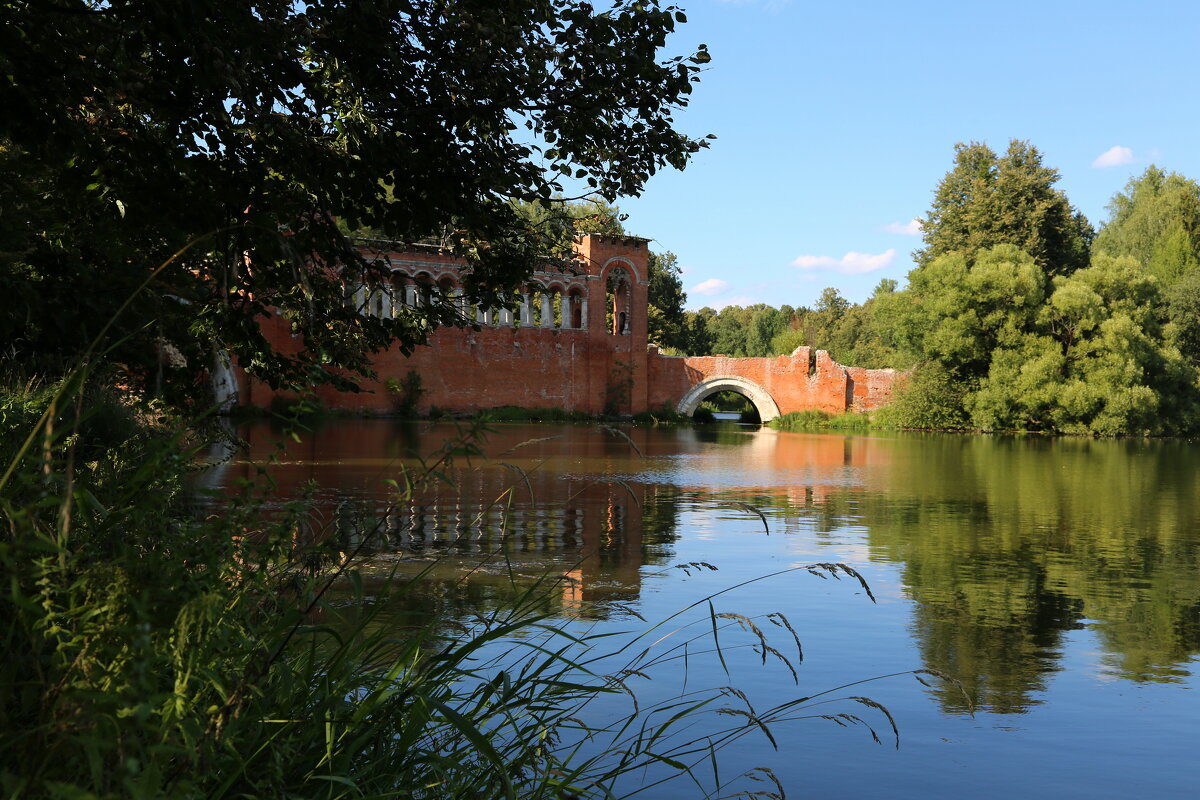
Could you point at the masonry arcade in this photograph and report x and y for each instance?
(572, 339)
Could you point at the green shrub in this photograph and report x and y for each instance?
(661, 417)
(406, 393)
(931, 399)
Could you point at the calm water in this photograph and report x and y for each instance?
(1059, 580)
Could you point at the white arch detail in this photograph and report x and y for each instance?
(622, 261)
(767, 410)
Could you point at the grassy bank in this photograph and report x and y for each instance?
(824, 421)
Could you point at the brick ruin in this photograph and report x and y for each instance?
(573, 339)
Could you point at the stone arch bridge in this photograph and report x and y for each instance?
(574, 340)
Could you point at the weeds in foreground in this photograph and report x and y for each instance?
(153, 653)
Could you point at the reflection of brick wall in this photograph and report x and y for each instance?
(573, 368)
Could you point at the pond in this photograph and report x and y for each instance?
(1057, 579)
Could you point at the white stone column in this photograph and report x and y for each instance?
(489, 316)
(410, 295)
(458, 301)
(504, 317)
(583, 318)
(526, 310)
(387, 302)
(480, 315)
(566, 310)
(360, 298)
(547, 310)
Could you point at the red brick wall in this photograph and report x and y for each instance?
(804, 380)
(583, 370)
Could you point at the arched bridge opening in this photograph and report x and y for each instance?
(757, 395)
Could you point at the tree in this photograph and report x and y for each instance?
(1184, 311)
(731, 329)
(1156, 221)
(701, 336)
(559, 221)
(985, 201)
(666, 320)
(1081, 353)
(238, 133)
(766, 323)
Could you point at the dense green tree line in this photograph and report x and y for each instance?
(1018, 315)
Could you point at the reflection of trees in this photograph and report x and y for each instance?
(1005, 544)
(724, 433)
(992, 622)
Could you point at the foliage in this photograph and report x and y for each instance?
(701, 339)
(224, 141)
(856, 334)
(1156, 221)
(1183, 303)
(618, 387)
(406, 393)
(1081, 353)
(958, 312)
(664, 416)
(727, 401)
(665, 320)
(931, 398)
(814, 420)
(559, 221)
(985, 201)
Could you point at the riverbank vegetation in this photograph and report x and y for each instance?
(823, 420)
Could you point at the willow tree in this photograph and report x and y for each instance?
(239, 133)
(1156, 221)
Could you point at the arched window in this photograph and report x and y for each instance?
(425, 288)
(578, 304)
(618, 292)
(550, 311)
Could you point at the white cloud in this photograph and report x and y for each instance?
(850, 264)
(910, 228)
(710, 287)
(1114, 156)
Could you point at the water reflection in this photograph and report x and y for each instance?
(535, 506)
(1004, 546)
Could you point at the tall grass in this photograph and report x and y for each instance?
(150, 652)
(813, 420)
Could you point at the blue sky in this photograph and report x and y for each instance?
(836, 120)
